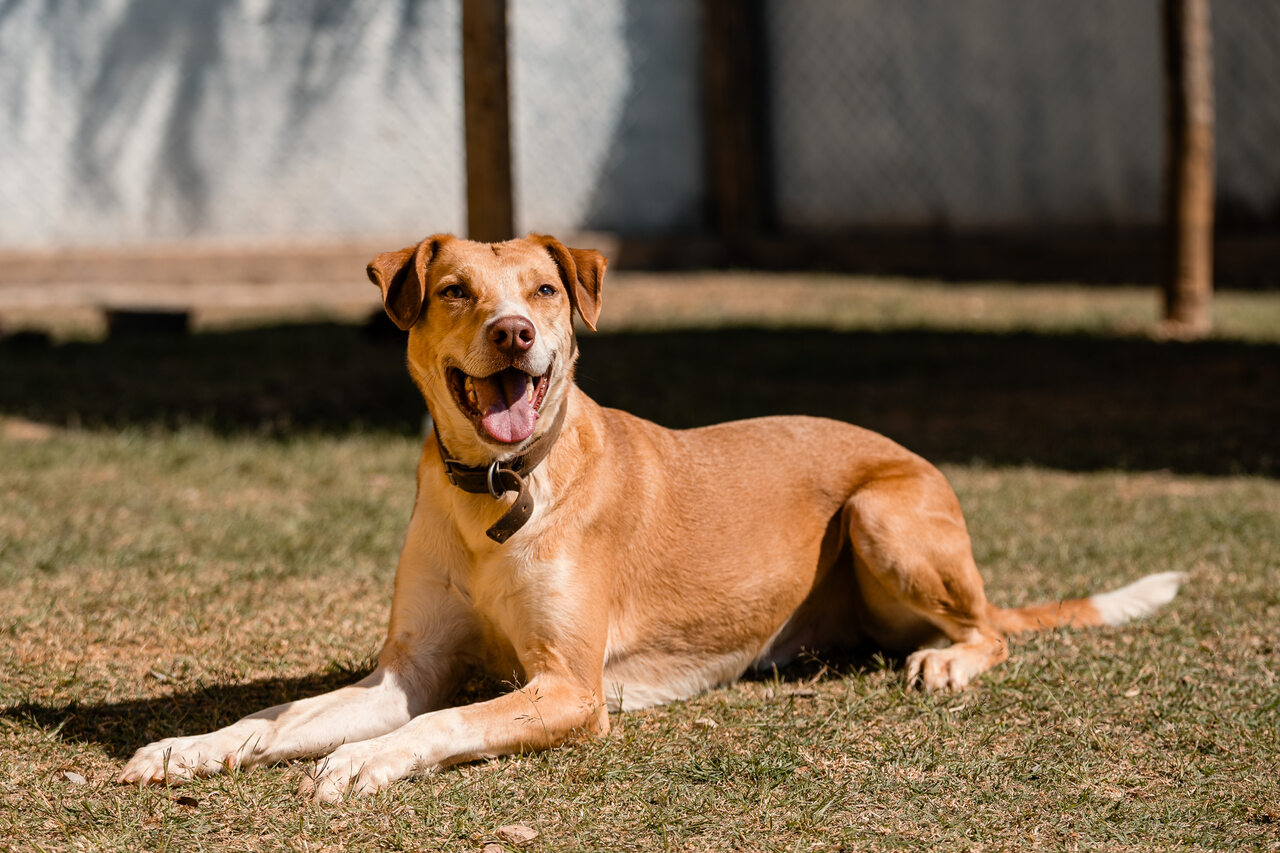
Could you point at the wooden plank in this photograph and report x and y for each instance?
(736, 121)
(1189, 171)
(486, 97)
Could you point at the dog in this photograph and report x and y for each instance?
(608, 563)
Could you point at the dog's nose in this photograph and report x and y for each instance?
(513, 333)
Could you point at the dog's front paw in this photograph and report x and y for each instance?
(179, 759)
(355, 770)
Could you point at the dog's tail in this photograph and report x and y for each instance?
(1138, 599)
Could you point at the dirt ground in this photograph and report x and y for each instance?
(67, 293)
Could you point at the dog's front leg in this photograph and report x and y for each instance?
(417, 670)
(386, 699)
(373, 705)
(543, 713)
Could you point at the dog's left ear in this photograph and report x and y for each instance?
(402, 277)
(582, 271)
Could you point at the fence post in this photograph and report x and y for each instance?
(487, 120)
(1189, 171)
(736, 123)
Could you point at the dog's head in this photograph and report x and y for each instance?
(490, 325)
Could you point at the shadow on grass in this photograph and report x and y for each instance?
(121, 728)
(1068, 401)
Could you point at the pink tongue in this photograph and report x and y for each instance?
(505, 410)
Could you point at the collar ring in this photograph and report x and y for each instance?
(490, 474)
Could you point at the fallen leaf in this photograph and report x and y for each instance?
(186, 800)
(516, 833)
(706, 723)
(75, 778)
(1131, 692)
(804, 694)
(493, 847)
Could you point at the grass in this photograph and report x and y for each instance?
(193, 529)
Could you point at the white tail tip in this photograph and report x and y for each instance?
(1138, 599)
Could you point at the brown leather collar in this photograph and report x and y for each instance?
(498, 478)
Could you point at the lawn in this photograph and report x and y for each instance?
(194, 528)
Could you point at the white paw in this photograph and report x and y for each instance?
(179, 759)
(944, 669)
(356, 770)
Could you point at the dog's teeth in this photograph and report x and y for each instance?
(470, 388)
(533, 386)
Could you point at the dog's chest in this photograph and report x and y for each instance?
(520, 602)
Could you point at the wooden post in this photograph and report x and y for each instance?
(1189, 172)
(736, 123)
(487, 120)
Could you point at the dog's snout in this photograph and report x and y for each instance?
(512, 334)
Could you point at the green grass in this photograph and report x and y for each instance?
(193, 529)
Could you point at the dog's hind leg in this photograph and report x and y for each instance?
(917, 577)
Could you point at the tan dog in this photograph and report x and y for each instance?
(622, 564)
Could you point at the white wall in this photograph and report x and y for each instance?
(145, 121)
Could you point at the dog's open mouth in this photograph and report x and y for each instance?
(504, 405)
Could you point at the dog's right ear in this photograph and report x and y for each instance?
(402, 277)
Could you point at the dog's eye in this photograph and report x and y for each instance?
(454, 291)
(547, 290)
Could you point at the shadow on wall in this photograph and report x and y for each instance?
(149, 121)
(1070, 402)
(652, 178)
(156, 40)
(606, 99)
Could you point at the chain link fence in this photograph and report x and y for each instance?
(606, 115)
(990, 113)
(136, 122)
(1247, 88)
(149, 121)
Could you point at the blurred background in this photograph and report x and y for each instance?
(139, 124)
(927, 168)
